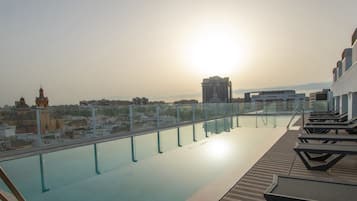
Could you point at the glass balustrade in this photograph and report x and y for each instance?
(64, 125)
(109, 138)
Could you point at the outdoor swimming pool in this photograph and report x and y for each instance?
(106, 171)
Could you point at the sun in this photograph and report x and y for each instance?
(215, 51)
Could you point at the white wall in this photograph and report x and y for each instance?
(344, 105)
(346, 83)
(337, 104)
(352, 105)
(354, 53)
(343, 65)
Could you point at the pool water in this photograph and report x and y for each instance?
(176, 174)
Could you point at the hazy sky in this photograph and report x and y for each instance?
(120, 49)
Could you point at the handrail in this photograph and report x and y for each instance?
(11, 185)
(293, 116)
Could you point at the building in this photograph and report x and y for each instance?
(41, 101)
(7, 131)
(140, 101)
(320, 100)
(275, 95)
(344, 86)
(47, 123)
(25, 118)
(319, 95)
(104, 102)
(216, 90)
(21, 103)
(183, 102)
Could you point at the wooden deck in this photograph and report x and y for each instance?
(281, 159)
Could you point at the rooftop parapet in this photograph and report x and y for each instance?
(339, 68)
(346, 59)
(334, 71)
(347, 52)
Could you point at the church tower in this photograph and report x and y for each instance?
(41, 101)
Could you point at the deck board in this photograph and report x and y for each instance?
(281, 159)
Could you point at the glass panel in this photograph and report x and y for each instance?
(319, 106)
(222, 125)
(18, 128)
(185, 113)
(144, 117)
(211, 127)
(112, 120)
(248, 121)
(67, 123)
(199, 112)
(265, 121)
(211, 110)
(168, 115)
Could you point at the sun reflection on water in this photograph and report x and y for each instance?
(218, 148)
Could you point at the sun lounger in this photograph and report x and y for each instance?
(326, 128)
(289, 188)
(332, 122)
(334, 151)
(324, 113)
(325, 139)
(342, 117)
(304, 138)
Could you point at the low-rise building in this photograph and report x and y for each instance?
(274, 95)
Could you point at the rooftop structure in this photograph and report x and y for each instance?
(21, 103)
(140, 101)
(105, 102)
(186, 102)
(344, 85)
(274, 95)
(216, 90)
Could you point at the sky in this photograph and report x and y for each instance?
(80, 50)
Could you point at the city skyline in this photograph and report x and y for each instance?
(80, 51)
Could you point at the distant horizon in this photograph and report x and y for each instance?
(301, 88)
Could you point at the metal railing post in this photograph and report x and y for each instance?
(38, 123)
(94, 121)
(231, 115)
(256, 114)
(237, 114)
(193, 106)
(205, 122)
(303, 118)
(224, 117)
